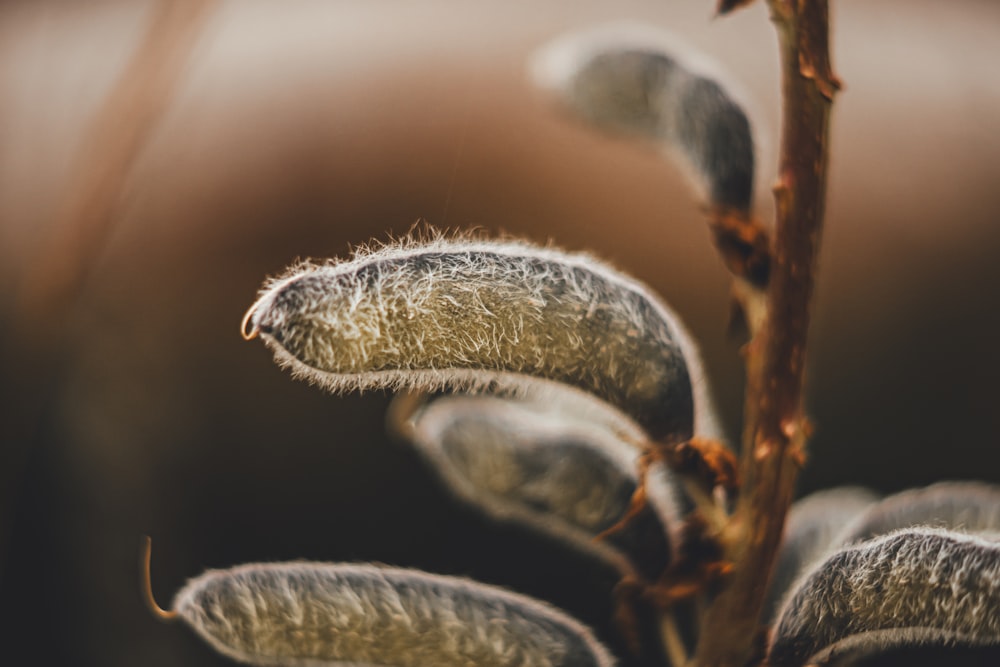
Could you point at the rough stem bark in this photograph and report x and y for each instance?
(775, 427)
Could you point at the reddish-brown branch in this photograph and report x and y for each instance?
(775, 428)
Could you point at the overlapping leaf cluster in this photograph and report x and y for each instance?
(565, 383)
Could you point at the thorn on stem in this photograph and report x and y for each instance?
(827, 83)
(762, 451)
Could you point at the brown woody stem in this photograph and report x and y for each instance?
(775, 429)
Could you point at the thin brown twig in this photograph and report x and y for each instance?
(775, 428)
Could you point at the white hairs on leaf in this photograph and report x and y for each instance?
(907, 589)
(324, 615)
(497, 316)
(636, 80)
(972, 507)
(565, 478)
(813, 524)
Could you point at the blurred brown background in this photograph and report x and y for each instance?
(298, 128)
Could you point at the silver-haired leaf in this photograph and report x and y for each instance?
(636, 80)
(869, 651)
(482, 315)
(321, 614)
(918, 587)
(971, 507)
(814, 523)
(563, 477)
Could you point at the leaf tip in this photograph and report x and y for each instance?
(146, 583)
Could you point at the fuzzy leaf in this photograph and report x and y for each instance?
(813, 525)
(481, 315)
(638, 81)
(965, 506)
(562, 477)
(320, 614)
(913, 588)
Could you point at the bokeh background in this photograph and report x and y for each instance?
(295, 129)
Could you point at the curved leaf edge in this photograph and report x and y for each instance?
(662, 490)
(787, 650)
(706, 422)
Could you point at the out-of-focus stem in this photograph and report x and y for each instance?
(34, 343)
(673, 645)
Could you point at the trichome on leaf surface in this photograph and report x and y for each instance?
(549, 390)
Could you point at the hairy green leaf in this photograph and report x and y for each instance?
(641, 82)
(320, 614)
(964, 506)
(913, 588)
(813, 526)
(560, 475)
(487, 315)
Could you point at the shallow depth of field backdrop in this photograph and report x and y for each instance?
(299, 128)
